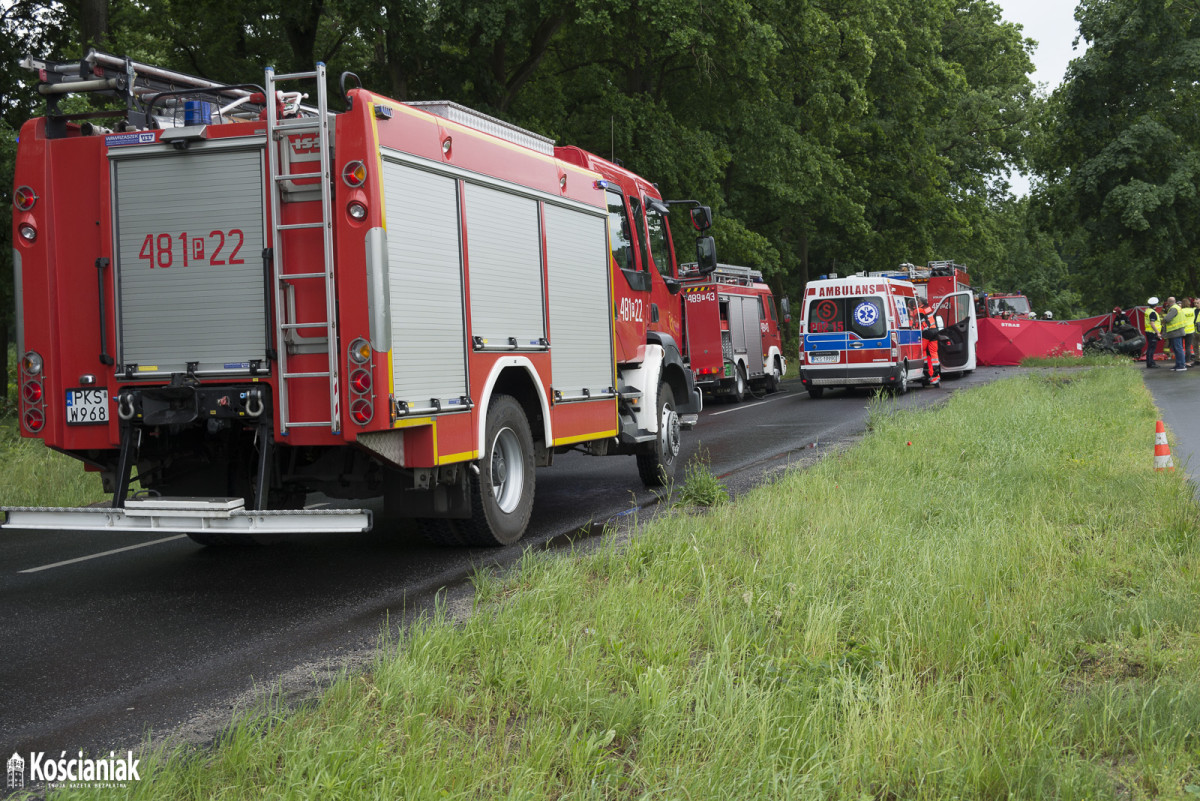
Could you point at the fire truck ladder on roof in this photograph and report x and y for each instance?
(733, 274)
(278, 131)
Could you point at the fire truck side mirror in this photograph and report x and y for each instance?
(785, 307)
(706, 255)
(701, 218)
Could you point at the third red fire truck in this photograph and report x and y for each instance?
(946, 287)
(732, 333)
(235, 300)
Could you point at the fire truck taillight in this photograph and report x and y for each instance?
(31, 391)
(354, 173)
(24, 198)
(360, 382)
(31, 363)
(360, 351)
(356, 210)
(34, 420)
(27, 232)
(361, 411)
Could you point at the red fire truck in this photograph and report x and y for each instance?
(235, 300)
(946, 287)
(732, 332)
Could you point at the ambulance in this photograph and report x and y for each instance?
(860, 331)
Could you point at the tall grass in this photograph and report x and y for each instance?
(33, 475)
(1004, 608)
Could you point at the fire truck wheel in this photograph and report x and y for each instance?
(502, 493)
(816, 392)
(772, 382)
(657, 466)
(739, 384)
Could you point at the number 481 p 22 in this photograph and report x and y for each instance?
(159, 249)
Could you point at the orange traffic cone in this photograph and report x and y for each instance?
(1162, 451)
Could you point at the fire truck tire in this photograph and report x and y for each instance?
(816, 392)
(772, 382)
(739, 383)
(656, 466)
(502, 492)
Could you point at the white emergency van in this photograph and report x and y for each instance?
(860, 331)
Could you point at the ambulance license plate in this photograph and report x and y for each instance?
(87, 406)
(823, 358)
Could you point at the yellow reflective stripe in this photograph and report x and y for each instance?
(584, 438)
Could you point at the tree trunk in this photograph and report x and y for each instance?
(93, 24)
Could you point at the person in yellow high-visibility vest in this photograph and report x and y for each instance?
(1153, 326)
(1189, 331)
(1173, 332)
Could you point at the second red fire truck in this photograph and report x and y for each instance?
(733, 332)
(234, 300)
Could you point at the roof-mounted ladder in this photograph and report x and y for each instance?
(278, 131)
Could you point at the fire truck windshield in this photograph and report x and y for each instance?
(1016, 305)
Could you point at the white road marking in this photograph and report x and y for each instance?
(746, 406)
(104, 553)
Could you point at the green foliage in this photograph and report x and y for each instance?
(1122, 166)
(700, 487)
(826, 135)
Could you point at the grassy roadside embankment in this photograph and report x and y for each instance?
(34, 475)
(1004, 608)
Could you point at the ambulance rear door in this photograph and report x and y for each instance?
(957, 315)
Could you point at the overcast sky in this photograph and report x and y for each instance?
(1052, 24)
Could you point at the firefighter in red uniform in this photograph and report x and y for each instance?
(929, 339)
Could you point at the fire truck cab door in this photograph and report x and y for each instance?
(659, 260)
(630, 280)
(958, 311)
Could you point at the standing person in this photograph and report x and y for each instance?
(1153, 326)
(1173, 323)
(1189, 331)
(929, 331)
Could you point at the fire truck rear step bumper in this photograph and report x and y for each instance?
(187, 516)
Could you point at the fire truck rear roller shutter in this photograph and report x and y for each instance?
(424, 258)
(580, 326)
(505, 265)
(209, 310)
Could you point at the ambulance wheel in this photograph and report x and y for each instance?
(901, 386)
(502, 492)
(739, 384)
(816, 392)
(656, 465)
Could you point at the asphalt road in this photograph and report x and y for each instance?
(101, 648)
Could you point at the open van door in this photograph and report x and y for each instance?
(957, 310)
